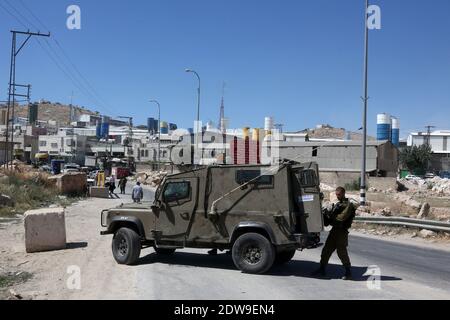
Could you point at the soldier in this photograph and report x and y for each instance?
(340, 218)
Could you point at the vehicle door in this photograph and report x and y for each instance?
(177, 207)
(308, 197)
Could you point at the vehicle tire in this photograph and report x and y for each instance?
(284, 256)
(164, 251)
(126, 246)
(253, 253)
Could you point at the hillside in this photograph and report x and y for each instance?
(53, 111)
(328, 132)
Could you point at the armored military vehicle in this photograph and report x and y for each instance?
(262, 214)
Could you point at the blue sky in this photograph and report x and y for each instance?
(300, 61)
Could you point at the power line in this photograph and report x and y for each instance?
(33, 15)
(21, 15)
(59, 61)
(14, 16)
(87, 83)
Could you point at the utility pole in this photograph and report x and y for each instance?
(428, 143)
(365, 100)
(71, 116)
(12, 86)
(129, 136)
(159, 133)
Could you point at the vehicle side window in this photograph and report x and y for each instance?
(244, 176)
(175, 191)
(307, 178)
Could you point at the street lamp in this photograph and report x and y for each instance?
(198, 106)
(159, 133)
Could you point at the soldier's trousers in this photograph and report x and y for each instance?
(337, 240)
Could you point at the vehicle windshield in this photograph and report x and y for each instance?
(158, 190)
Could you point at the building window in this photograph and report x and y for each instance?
(314, 151)
(54, 146)
(42, 143)
(146, 153)
(142, 153)
(444, 144)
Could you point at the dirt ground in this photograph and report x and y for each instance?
(48, 275)
(51, 272)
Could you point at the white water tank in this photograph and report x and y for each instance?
(268, 123)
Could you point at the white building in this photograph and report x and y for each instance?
(64, 146)
(438, 140)
(439, 143)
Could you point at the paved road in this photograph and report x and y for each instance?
(407, 272)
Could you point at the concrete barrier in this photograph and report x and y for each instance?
(71, 183)
(45, 229)
(99, 192)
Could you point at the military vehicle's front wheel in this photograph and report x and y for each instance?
(126, 246)
(253, 253)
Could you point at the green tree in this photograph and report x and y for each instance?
(416, 158)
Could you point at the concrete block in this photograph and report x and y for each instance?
(45, 229)
(70, 183)
(99, 192)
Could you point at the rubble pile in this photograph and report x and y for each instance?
(440, 186)
(434, 186)
(17, 166)
(150, 178)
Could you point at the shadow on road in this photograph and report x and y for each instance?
(76, 245)
(297, 268)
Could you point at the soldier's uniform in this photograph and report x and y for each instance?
(341, 220)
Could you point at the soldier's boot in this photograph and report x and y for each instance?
(348, 273)
(321, 271)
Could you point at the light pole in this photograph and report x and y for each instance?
(365, 100)
(198, 108)
(159, 132)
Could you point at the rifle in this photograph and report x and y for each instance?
(330, 215)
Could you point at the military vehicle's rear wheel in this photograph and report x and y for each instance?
(284, 256)
(165, 251)
(126, 246)
(253, 253)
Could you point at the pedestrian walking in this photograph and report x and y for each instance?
(123, 185)
(112, 186)
(138, 193)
